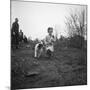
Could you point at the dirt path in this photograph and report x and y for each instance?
(66, 67)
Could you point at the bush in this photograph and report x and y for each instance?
(77, 42)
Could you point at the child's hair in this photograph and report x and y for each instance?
(50, 28)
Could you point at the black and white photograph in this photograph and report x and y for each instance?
(48, 44)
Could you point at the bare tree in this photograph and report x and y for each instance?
(76, 24)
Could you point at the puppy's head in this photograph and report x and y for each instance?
(40, 46)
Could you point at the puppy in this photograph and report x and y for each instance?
(38, 50)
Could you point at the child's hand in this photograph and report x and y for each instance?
(52, 39)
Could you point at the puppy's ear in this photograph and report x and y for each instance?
(40, 46)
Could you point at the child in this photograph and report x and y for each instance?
(49, 42)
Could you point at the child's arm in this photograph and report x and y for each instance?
(53, 39)
(45, 40)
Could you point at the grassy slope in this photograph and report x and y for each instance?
(66, 67)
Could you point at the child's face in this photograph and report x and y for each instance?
(50, 31)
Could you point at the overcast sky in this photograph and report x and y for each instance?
(35, 18)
